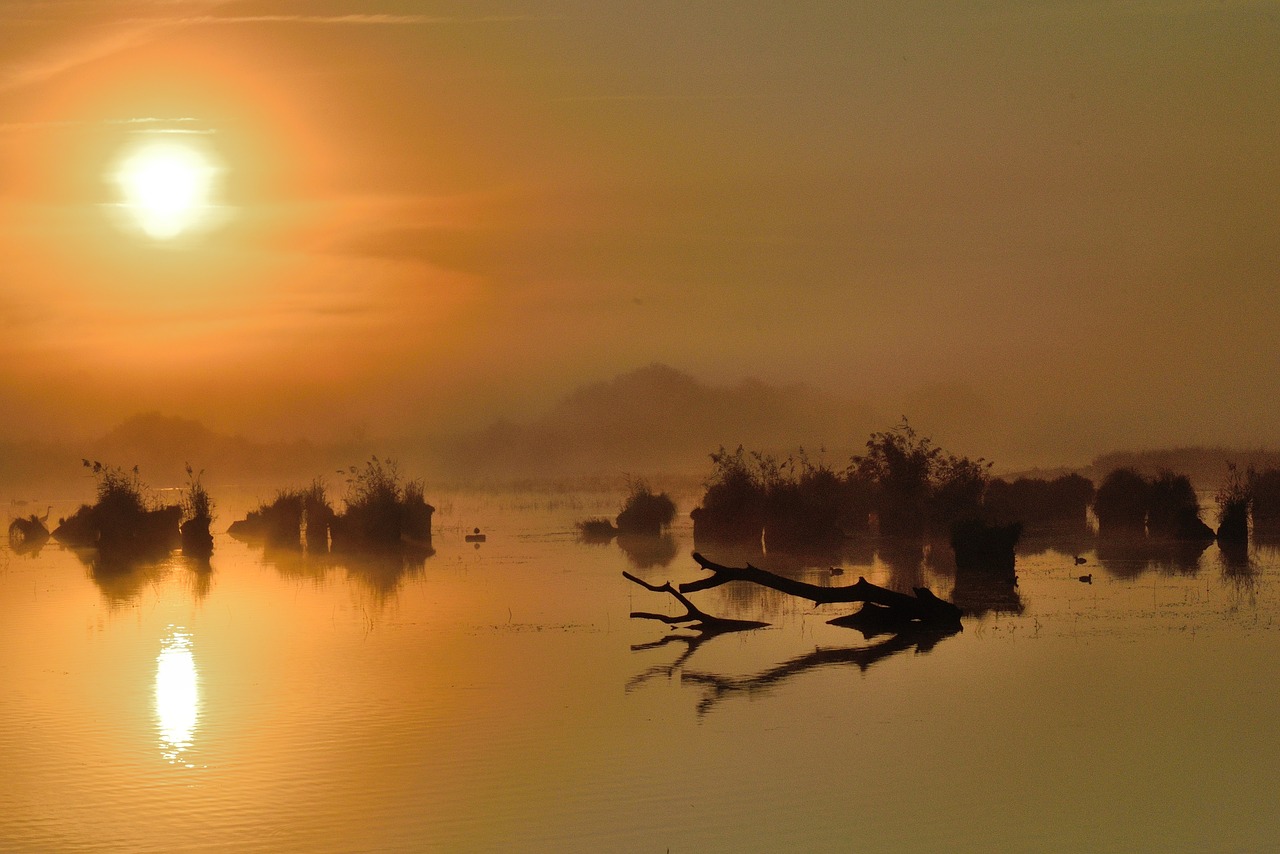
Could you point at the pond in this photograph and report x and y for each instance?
(497, 696)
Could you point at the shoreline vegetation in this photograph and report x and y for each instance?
(909, 495)
(381, 512)
(128, 523)
(906, 488)
(902, 490)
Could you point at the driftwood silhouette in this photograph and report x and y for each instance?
(912, 622)
(693, 618)
(883, 610)
(880, 604)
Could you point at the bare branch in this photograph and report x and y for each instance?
(924, 606)
(693, 618)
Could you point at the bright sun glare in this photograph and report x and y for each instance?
(177, 693)
(167, 187)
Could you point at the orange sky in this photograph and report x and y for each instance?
(1054, 221)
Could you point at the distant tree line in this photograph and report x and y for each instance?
(902, 486)
(905, 486)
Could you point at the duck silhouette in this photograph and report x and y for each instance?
(1087, 579)
(1080, 561)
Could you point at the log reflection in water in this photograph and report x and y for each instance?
(718, 686)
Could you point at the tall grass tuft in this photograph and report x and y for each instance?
(380, 510)
(124, 522)
(197, 512)
(1234, 497)
(317, 515)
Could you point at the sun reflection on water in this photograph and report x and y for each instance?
(177, 693)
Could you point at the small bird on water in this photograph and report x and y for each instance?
(1087, 579)
(1080, 561)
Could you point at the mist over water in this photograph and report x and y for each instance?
(496, 695)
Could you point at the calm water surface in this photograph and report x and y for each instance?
(499, 698)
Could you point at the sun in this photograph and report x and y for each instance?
(167, 187)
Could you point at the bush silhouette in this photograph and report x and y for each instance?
(918, 488)
(317, 516)
(1036, 502)
(807, 508)
(1121, 503)
(912, 486)
(733, 506)
(1264, 488)
(597, 529)
(645, 512)
(1173, 511)
(278, 524)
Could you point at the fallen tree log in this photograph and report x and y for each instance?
(693, 618)
(923, 607)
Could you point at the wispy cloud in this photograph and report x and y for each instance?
(666, 97)
(1141, 8)
(354, 19)
(134, 124)
(22, 74)
(114, 35)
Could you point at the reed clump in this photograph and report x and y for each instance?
(277, 523)
(1234, 497)
(1264, 488)
(1173, 511)
(317, 516)
(124, 521)
(197, 515)
(381, 511)
(908, 485)
(985, 547)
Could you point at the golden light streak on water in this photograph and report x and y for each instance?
(177, 694)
